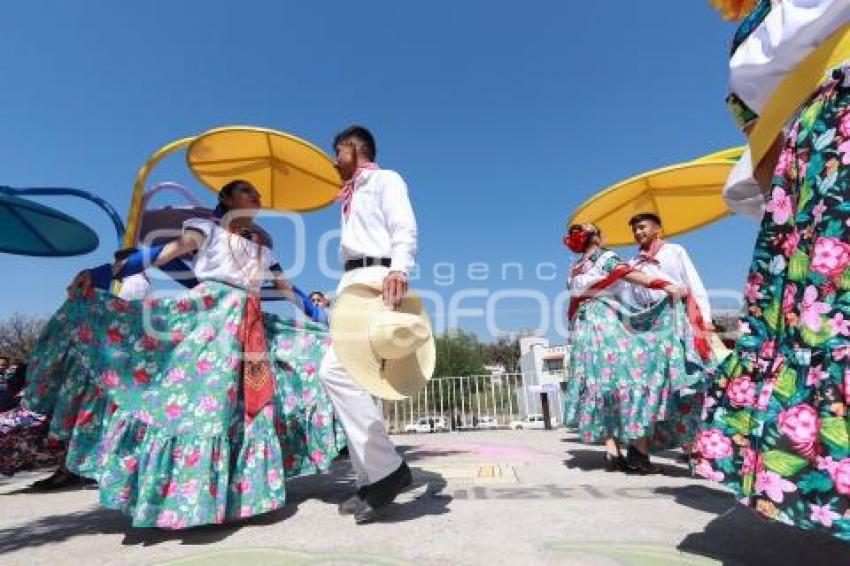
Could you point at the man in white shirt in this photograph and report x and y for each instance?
(377, 245)
(663, 260)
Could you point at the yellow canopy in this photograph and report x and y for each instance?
(291, 174)
(686, 196)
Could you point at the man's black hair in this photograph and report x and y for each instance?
(362, 135)
(652, 217)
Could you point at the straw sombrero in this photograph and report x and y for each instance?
(389, 353)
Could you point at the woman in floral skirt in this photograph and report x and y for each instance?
(629, 369)
(192, 409)
(776, 428)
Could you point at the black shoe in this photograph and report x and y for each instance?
(350, 505)
(381, 493)
(615, 463)
(638, 462)
(365, 513)
(61, 479)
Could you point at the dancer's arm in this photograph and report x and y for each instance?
(403, 232)
(298, 297)
(676, 292)
(138, 261)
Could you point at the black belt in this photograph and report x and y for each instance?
(352, 264)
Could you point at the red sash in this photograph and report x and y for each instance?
(591, 292)
(257, 378)
(701, 343)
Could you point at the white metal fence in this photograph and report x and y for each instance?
(469, 403)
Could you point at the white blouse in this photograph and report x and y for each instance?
(135, 287)
(742, 193)
(789, 33)
(792, 30)
(586, 273)
(229, 258)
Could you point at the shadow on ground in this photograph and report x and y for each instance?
(331, 488)
(740, 536)
(594, 460)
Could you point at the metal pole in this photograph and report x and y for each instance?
(493, 397)
(462, 404)
(544, 402)
(440, 393)
(478, 398)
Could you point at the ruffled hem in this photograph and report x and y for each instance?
(24, 443)
(170, 481)
(76, 419)
(669, 423)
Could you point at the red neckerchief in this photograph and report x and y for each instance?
(648, 255)
(346, 193)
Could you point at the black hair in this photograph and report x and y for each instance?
(652, 217)
(313, 293)
(227, 191)
(361, 134)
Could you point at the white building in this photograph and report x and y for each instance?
(540, 364)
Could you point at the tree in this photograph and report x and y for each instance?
(458, 354)
(19, 333)
(503, 352)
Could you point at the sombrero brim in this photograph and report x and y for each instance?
(391, 379)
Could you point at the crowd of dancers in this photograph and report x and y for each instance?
(195, 409)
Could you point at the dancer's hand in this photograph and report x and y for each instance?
(81, 281)
(676, 292)
(395, 288)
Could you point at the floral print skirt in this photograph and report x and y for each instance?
(776, 427)
(633, 374)
(24, 444)
(147, 396)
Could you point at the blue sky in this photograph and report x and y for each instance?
(502, 116)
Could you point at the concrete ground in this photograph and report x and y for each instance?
(494, 497)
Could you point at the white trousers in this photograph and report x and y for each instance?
(370, 449)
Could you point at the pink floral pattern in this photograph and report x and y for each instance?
(789, 454)
(632, 373)
(159, 422)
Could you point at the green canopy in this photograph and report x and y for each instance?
(29, 228)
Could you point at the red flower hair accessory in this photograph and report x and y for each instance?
(576, 239)
(734, 10)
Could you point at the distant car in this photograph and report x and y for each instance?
(532, 421)
(424, 424)
(487, 422)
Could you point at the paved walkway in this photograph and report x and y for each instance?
(495, 497)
